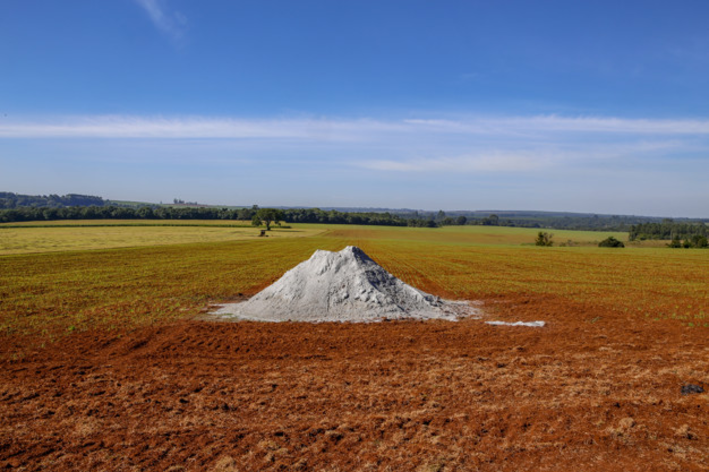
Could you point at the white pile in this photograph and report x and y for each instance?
(342, 286)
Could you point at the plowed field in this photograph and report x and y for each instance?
(598, 388)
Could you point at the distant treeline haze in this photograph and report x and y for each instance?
(14, 200)
(18, 208)
(112, 212)
(667, 229)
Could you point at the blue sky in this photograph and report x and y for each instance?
(550, 105)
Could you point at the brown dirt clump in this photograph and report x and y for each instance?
(592, 390)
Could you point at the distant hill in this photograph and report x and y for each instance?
(64, 207)
(10, 200)
(520, 218)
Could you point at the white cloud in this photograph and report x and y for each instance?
(500, 145)
(171, 23)
(548, 127)
(198, 127)
(511, 158)
(485, 162)
(553, 123)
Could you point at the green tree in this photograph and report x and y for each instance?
(676, 243)
(144, 213)
(611, 242)
(544, 239)
(492, 220)
(699, 241)
(269, 216)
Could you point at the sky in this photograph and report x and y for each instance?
(585, 106)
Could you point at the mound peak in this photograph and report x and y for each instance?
(342, 286)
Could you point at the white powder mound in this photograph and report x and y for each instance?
(343, 286)
(531, 324)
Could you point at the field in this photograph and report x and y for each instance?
(81, 235)
(109, 362)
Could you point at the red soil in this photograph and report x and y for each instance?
(591, 391)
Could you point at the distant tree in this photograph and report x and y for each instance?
(700, 241)
(256, 221)
(441, 215)
(544, 239)
(245, 214)
(145, 213)
(611, 242)
(461, 220)
(492, 220)
(269, 216)
(667, 230)
(675, 243)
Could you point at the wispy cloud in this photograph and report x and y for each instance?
(171, 23)
(553, 123)
(516, 158)
(478, 145)
(200, 127)
(552, 127)
(484, 162)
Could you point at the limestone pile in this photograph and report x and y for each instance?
(342, 286)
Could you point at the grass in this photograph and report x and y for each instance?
(85, 235)
(654, 283)
(168, 272)
(46, 293)
(478, 235)
(99, 223)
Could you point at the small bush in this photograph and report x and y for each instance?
(544, 239)
(611, 242)
(698, 241)
(676, 243)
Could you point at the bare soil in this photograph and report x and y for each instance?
(592, 390)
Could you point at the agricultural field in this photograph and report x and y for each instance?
(22, 238)
(110, 361)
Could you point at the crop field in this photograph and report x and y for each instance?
(473, 235)
(109, 361)
(82, 235)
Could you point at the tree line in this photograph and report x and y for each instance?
(667, 229)
(682, 235)
(16, 207)
(315, 215)
(114, 212)
(14, 200)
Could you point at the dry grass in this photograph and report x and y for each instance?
(86, 236)
(61, 291)
(472, 235)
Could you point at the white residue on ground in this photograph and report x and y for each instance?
(343, 286)
(533, 324)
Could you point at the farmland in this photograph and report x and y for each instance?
(112, 320)
(82, 235)
(147, 273)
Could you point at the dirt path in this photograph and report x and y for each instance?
(429, 396)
